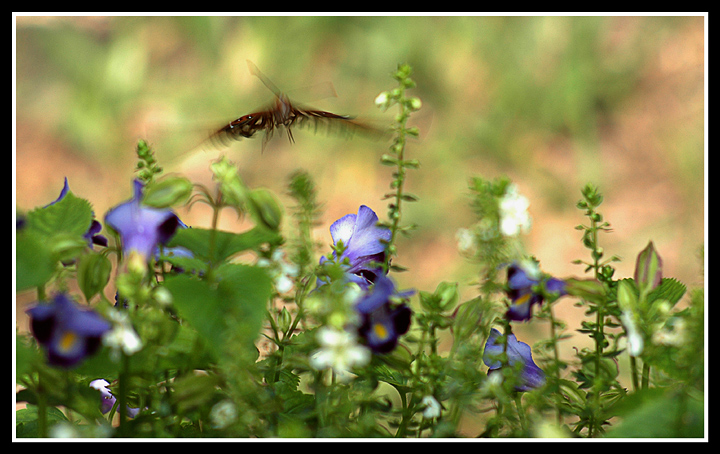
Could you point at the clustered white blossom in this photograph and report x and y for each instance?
(223, 414)
(432, 407)
(338, 351)
(465, 241)
(122, 337)
(514, 216)
(282, 271)
(635, 343)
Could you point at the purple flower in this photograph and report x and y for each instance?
(68, 332)
(107, 398)
(382, 322)
(519, 355)
(92, 235)
(364, 245)
(524, 289)
(142, 228)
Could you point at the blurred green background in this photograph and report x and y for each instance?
(552, 102)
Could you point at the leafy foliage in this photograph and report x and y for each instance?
(218, 334)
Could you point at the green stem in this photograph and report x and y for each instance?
(42, 409)
(402, 428)
(645, 375)
(521, 411)
(599, 331)
(633, 370)
(122, 394)
(556, 355)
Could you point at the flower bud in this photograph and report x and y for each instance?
(383, 100)
(231, 186)
(167, 192)
(415, 103)
(589, 289)
(648, 269)
(448, 293)
(265, 208)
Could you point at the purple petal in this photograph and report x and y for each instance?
(518, 278)
(141, 228)
(342, 229)
(367, 236)
(69, 333)
(521, 309)
(63, 193)
(554, 285)
(517, 352)
(379, 296)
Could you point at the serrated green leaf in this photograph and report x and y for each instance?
(71, 215)
(669, 289)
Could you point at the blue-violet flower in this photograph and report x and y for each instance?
(519, 355)
(68, 332)
(142, 228)
(523, 289)
(382, 322)
(364, 245)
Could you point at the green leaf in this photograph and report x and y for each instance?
(26, 420)
(93, 274)
(226, 244)
(656, 413)
(25, 355)
(669, 289)
(194, 391)
(227, 313)
(34, 263)
(71, 215)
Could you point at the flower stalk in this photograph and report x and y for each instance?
(397, 158)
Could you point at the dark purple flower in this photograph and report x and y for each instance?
(364, 244)
(141, 228)
(519, 355)
(382, 322)
(68, 332)
(524, 289)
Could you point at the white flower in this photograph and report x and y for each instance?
(63, 430)
(281, 270)
(492, 385)
(672, 335)
(122, 336)
(514, 216)
(432, 407)
(339, 351)
(465, 240)
(635, 342)
(382, 100)
(223, 414)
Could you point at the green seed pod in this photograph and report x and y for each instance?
(170, 191)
